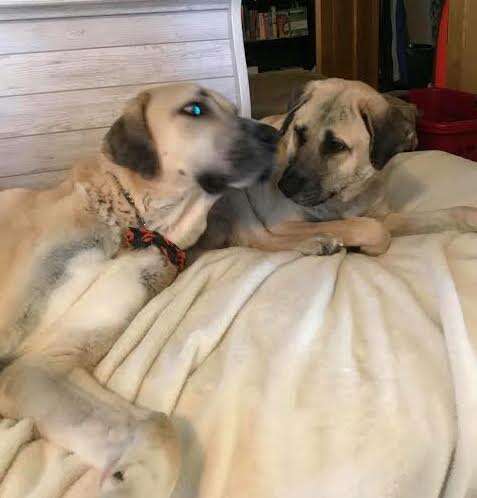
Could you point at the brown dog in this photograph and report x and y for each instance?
(336, 140)
(69, 287)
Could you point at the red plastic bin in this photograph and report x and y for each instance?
(447, 120)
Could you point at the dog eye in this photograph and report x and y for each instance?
(337, 146)
(333, 145)
(194, 109)
(300, 132)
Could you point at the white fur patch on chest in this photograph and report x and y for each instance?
(80, 273)
(58, 275)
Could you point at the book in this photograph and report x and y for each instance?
(298, 21)
(273, 20)
(268, 26)
(262, 31)
(283, 27)
(253, 25)
(260, 24)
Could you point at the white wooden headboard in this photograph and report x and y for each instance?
(68, 66)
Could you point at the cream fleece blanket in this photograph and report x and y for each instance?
(304, 377)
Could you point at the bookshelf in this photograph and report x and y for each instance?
(279, 33)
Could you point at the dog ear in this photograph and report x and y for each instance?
(298, 98)
(296, 95)
(391, 131)
(129, 143)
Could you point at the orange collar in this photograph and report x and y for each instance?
(140, 238)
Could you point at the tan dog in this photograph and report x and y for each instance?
(69, 287)
(336, 140)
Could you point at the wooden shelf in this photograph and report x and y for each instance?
(279, 53)
(270, 40)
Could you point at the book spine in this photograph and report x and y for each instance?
(282, 25)
(268, 26)
(298, 21)
(273, 20)
(258, 24)
(253, 25)
(262, 28)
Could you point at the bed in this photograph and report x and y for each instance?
(286, 376)
(291, 376)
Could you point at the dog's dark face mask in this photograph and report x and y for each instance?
(337, 142)
(251, 155)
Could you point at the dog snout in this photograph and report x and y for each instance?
(213, 183)
(252, 153)
(291, 183)
(261, 132)
(267, 134)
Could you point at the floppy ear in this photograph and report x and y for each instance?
(298, 98)
(391, 131)
(129, 142)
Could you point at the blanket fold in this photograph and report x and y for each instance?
(303, 377)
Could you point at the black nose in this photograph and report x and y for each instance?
(291, 182)
(267, 134)
(263, 133)
(213, 183)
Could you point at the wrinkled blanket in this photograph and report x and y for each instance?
(303, 377)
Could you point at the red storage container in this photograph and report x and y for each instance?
(447, 120)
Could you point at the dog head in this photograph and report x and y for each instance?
(178, 148)
(337, 135)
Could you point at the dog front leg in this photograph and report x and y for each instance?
(85, 333)
(328, 237)
(462, 219)
(318, 244)
(136, 449)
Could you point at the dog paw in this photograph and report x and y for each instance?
(149, 466)
(378, 237)
(323, 245)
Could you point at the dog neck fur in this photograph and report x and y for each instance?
(180, 216)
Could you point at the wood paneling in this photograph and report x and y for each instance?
(102, 67)
(462, 46)
(79, 109)
(36, 181)
(110, 31)
(367, 41)
(40, 153)
(41, 9)
(68, 67)
(348, 39)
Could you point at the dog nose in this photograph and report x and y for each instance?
(262, 132)
(213, 183)
(267, 134)
(291, 182)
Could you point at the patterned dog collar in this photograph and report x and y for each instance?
(140, 238)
